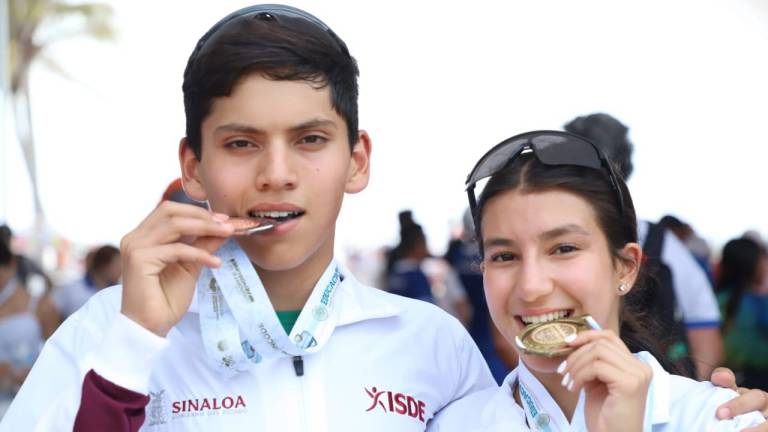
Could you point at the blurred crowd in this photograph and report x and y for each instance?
(712, 304)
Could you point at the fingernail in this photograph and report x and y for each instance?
(565, 380)
(572, 337)
(724, 413)
(570, 387)
(562, 367)
(216, 261)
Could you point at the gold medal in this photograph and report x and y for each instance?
(548, 339)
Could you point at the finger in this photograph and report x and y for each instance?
(751, 400)
(188, 256)
(723, 377)
(611, 375)
(168, 209)
(582, 353)
(599, 351)
(210, 244)
(185, 229)
(587, 336)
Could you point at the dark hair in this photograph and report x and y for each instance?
(738, 267)
(609, 135)
(283, 47)
(671, 222)
(102, 257)
(6, 255)
(5, 234)
(525, 173)
(411, 235)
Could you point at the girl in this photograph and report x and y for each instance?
(557, 234)
(743, 295)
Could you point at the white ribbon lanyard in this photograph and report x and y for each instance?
(239, 326)
(543, 413)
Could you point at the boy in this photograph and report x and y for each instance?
(270, 95)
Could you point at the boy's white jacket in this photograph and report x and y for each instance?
(390, 365)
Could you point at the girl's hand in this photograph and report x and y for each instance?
(615, 382)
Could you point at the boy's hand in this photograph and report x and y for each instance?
(162, 258)
(748, 400)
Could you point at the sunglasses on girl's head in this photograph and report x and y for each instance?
(553, 148)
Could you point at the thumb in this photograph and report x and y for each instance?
(723, 377)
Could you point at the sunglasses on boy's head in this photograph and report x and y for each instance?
(553, 148)
(266, 12)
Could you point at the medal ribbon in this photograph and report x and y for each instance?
(239, 326)
(541, 411)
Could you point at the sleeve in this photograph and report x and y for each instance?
(107, 406)
(694, 294)
(472, 373)
(96, 337)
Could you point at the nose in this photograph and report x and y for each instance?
(533, 281)
(277, 169)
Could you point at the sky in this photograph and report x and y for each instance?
(440, 84)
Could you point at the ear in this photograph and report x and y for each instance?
(628, 268)
(360, 164)
(190, 176)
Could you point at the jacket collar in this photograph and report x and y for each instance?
(356, 302)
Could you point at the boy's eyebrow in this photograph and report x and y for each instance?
(309, 124)
(236, 127)
(314, 123)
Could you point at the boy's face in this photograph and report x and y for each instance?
(278, 146)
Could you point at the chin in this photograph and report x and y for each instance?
(276, 259)
(542, 364)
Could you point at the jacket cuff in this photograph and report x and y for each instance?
(127, 354)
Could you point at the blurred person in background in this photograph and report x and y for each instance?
(697, 245)
(678, 292)
(27, 270)
(411, 271)
(463, 256)
(25, 321)
(742, 289)
(103, 269)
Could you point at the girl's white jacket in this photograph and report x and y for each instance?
(674, 404)
(390, 365)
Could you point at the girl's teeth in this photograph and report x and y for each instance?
(544, 317)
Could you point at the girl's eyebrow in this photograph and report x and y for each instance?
(562, 230)
(547, 235)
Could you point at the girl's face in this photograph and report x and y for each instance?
(546, 257)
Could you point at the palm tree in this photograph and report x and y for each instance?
(34, 26)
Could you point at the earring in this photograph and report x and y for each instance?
(622, 288)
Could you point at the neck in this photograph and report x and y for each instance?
(98, 281)
(290, 289)
(564, 398)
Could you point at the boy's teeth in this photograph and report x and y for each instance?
(536, 319)
(274, 214)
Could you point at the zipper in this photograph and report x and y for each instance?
(298, 368)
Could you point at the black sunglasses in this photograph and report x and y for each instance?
(266, 12)
(554, 148)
